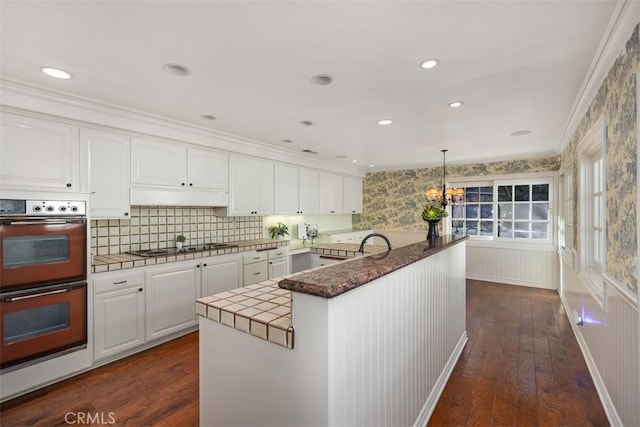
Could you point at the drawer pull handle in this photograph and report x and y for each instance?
(255, 274)
(256, 257)
(120, 282)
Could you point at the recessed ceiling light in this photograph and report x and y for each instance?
(520, 133)
(370, 166)
(287, 141)
(55, 72)
(208, 117)
(456, 104)
(354, 161)
(384, 122)
(176, 70)
(341, 156)
(429, 63)
(322, 79)
(305, 123)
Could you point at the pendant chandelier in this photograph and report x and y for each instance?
(446, 194)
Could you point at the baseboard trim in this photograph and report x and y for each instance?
(605, 399)
(431, 402)
(510, 281)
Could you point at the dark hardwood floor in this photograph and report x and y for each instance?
(521, 366)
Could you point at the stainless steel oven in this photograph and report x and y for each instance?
(43, 271)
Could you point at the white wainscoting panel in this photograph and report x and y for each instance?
(610, 342)
(390, 343)
(514, 266)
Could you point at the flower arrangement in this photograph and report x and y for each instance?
(278, 229)
(433, 213)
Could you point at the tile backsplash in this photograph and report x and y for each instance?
(156, 227)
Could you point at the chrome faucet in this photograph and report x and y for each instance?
(364, 240)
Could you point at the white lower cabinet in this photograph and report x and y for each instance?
(278, 262)
(170, 301)
(221, 273)
(318, 260)
(119, 312)
(256, 267)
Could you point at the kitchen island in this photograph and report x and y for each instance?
(369, 341)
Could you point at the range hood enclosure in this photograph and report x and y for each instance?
(169, 197)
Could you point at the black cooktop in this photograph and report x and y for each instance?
(173, 251)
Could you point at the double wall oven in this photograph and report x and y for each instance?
(43, 272)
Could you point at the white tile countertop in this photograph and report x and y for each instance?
(262, 310)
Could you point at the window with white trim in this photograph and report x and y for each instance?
(565, 226)
(516, 209)
(591, 213)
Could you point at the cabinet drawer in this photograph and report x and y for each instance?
(106, 282)
(256, 272)
(278, 253)
(251, 257)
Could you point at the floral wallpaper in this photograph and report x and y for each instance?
(393, 200)
(616, 102)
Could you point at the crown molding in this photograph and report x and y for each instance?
(32, 99)
(622, 24)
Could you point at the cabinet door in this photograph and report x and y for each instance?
(170, 300)
(256, 272)
(207, 169)
(38, 154)
(264, 188)
(221, 275)
(118, 321)
(278, 268)
(352, 195)
(286, 190)
(242, 177)
(308, 190)
(108, 173)
(331, 193)
(158, 163)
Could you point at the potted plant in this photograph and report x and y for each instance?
(433, 214)
(180, 239)
(278, 231)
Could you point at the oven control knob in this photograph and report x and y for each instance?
(63, 208)
(50, 208)
(37, 208)
(74, 208)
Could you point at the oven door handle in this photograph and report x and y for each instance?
(43, 222)
(41, 294)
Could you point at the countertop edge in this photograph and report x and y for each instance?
(337, 279)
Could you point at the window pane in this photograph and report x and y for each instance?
(540, 230)
(486, 211)
(540, 211)
(505, 193)
(522, 211)
(472, 228)
(521, 225)
(472, 194)
(472, 211)
(505, 229)
(505, 210)
(457, 227)
(486, 194)
(486, 228)
(522, 193)
(540, 192)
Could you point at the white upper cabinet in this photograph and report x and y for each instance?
(331, 195)
(308, 191)
(286, 190)
(296, 190)
(352, 195)
(251, 186)
(164, 174)
(158, 163)
(176, 165)
(108, 172)
(207, 169)
(38, 154)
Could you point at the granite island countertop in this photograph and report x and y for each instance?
(337, 279)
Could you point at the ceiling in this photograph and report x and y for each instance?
(516, 65)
